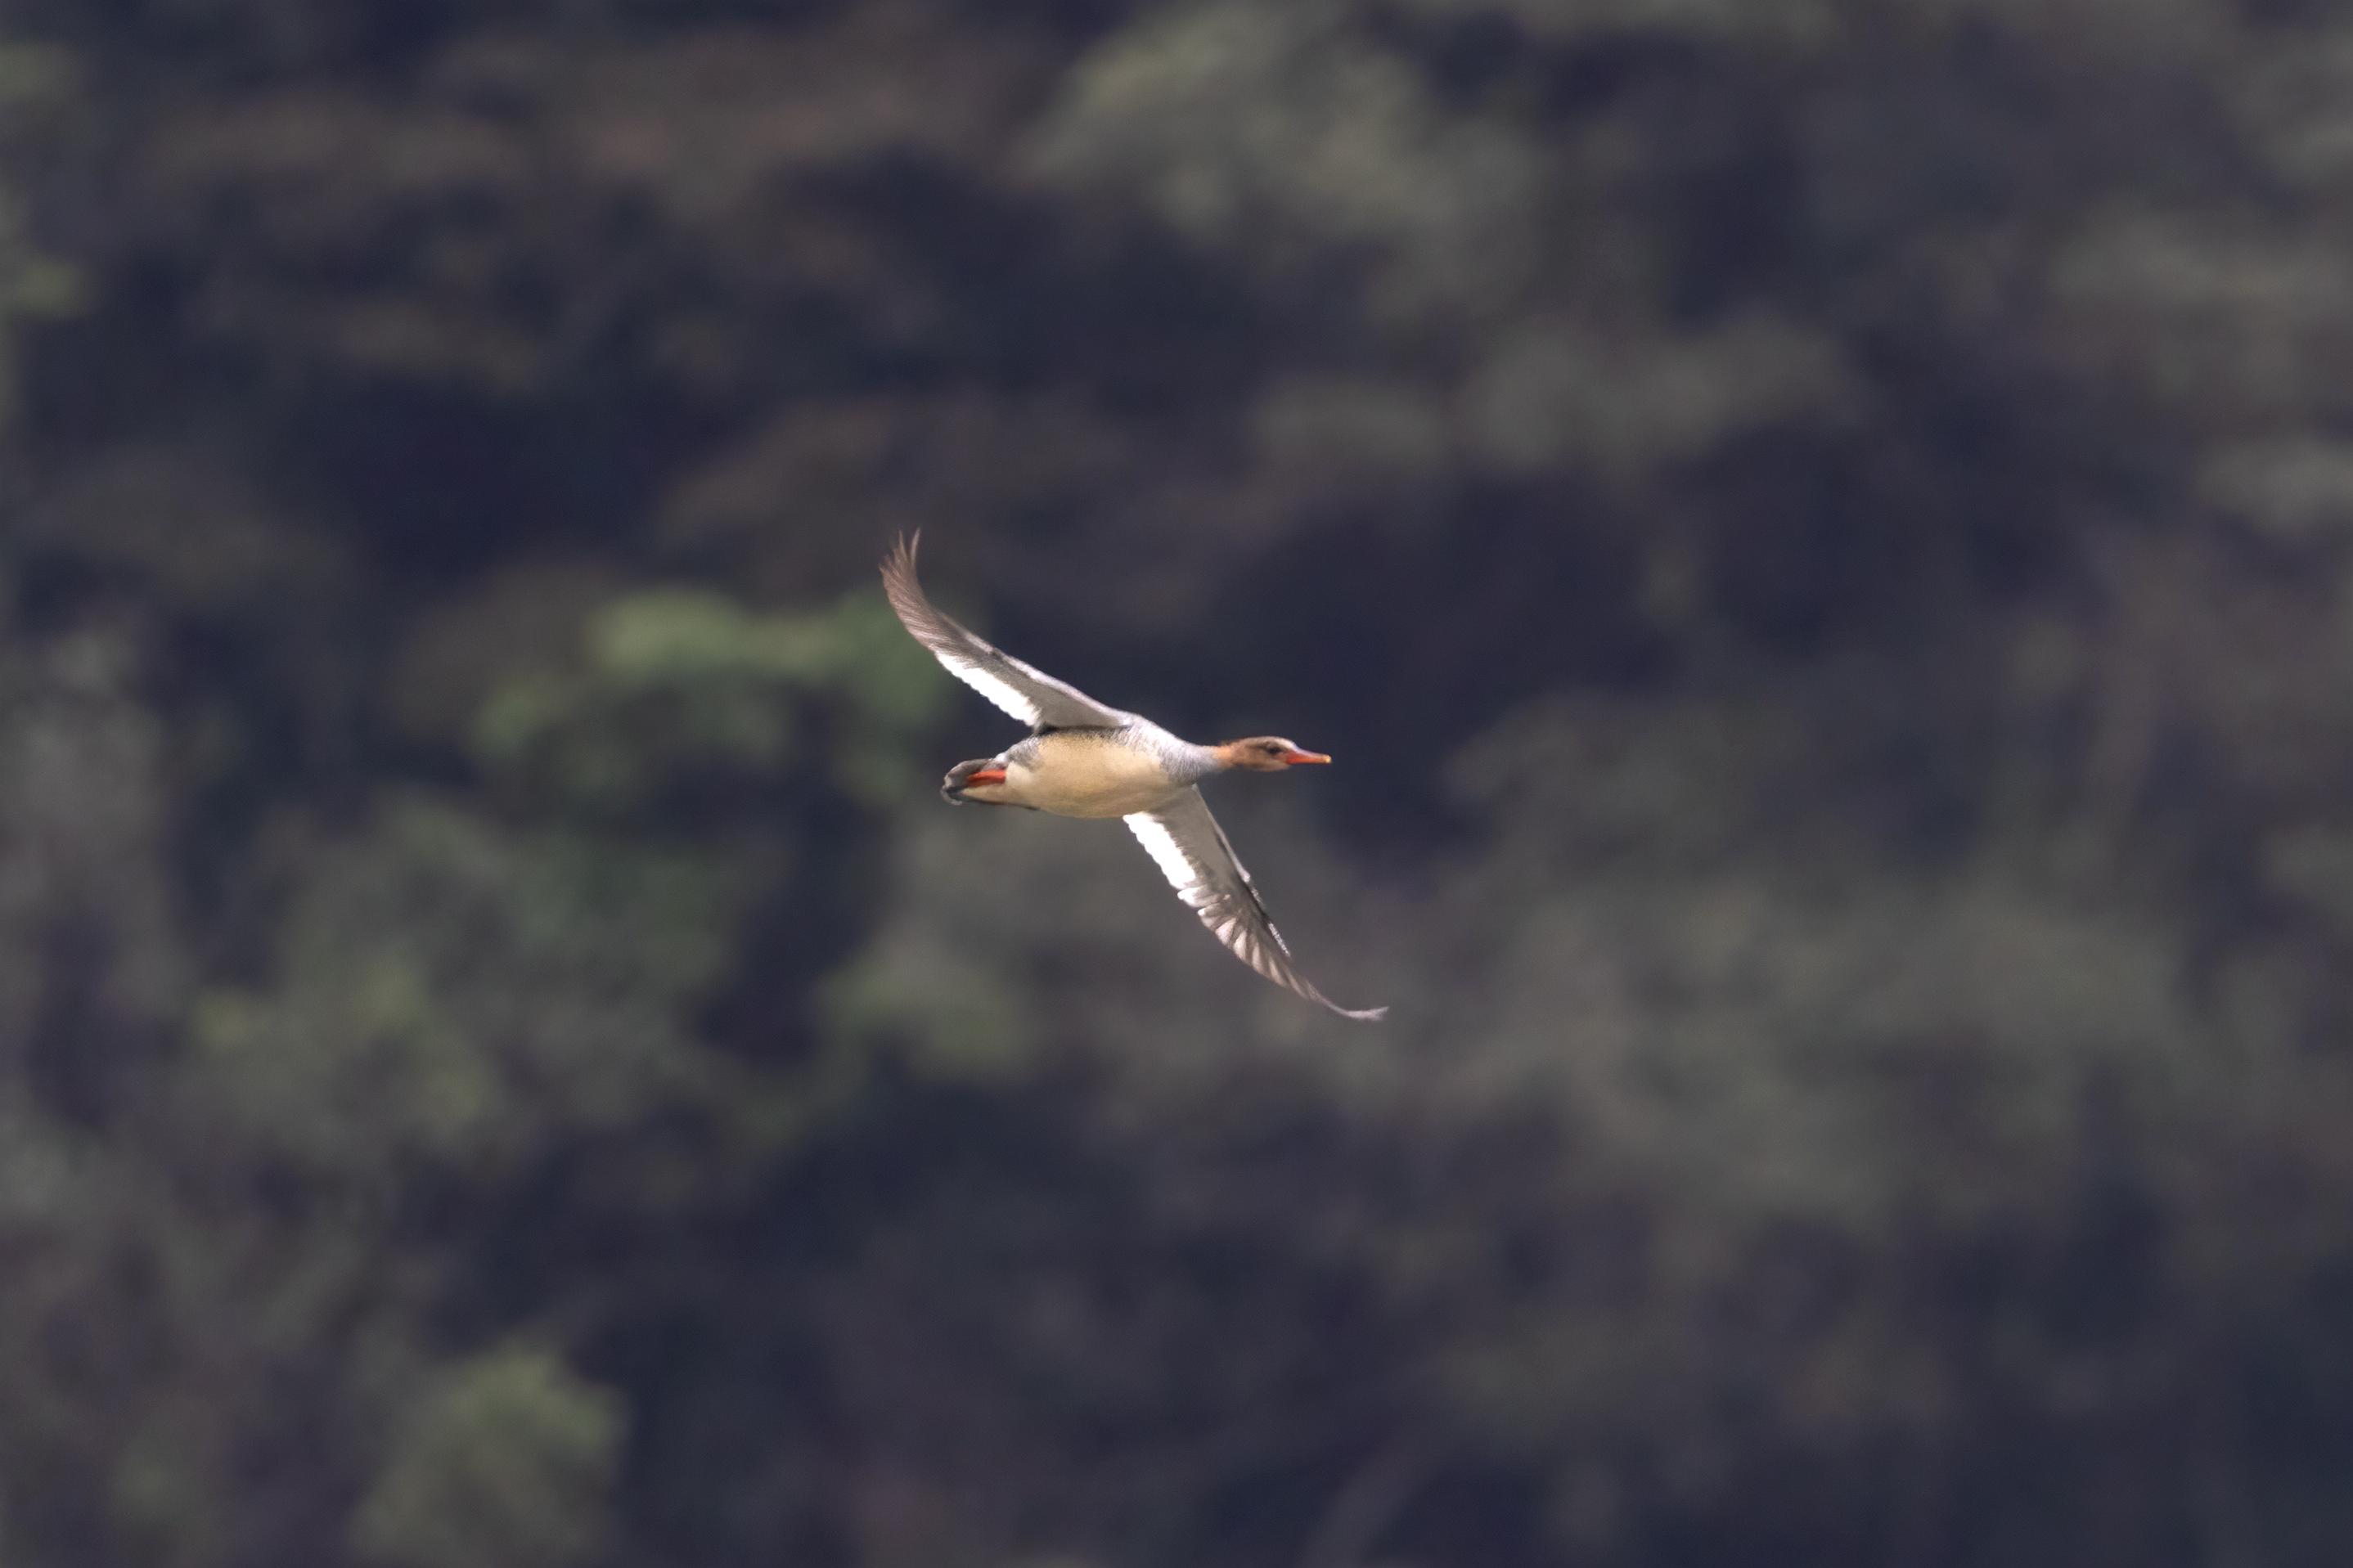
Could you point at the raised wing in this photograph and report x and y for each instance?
(1192, 851)
(1032, 696)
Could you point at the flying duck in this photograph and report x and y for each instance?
(1083, 758)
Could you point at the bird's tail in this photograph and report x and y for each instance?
(963, 777)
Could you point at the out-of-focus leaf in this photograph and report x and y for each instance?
(507, 1458)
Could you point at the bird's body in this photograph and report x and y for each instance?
(1096, 772)
(1085, 759)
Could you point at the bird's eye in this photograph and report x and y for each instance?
(1271, 749)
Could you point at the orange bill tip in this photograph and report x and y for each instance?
(1295, 758)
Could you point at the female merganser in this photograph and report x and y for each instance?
(1085, 759)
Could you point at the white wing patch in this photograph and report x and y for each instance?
(1186, 842)
(1161, 845)
(1002, 692)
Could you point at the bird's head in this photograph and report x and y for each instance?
(1265, 754)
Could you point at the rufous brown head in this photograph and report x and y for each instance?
(1266, 754)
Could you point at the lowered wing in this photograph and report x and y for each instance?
(1192, 851)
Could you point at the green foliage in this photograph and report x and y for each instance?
(677, 681)
(453, 996)
(1277, 133)
(1821, 537)
(35, 87)
(506, 1459)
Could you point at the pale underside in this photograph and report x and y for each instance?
(1083, 773)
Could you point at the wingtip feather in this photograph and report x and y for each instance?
(902, 589)
(899, 561)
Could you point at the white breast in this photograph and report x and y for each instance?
(1084, 775)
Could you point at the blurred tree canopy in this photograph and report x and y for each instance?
(1821, 533)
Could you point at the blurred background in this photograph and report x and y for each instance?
(1819, 532)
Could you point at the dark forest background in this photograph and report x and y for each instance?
(1820, 533)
